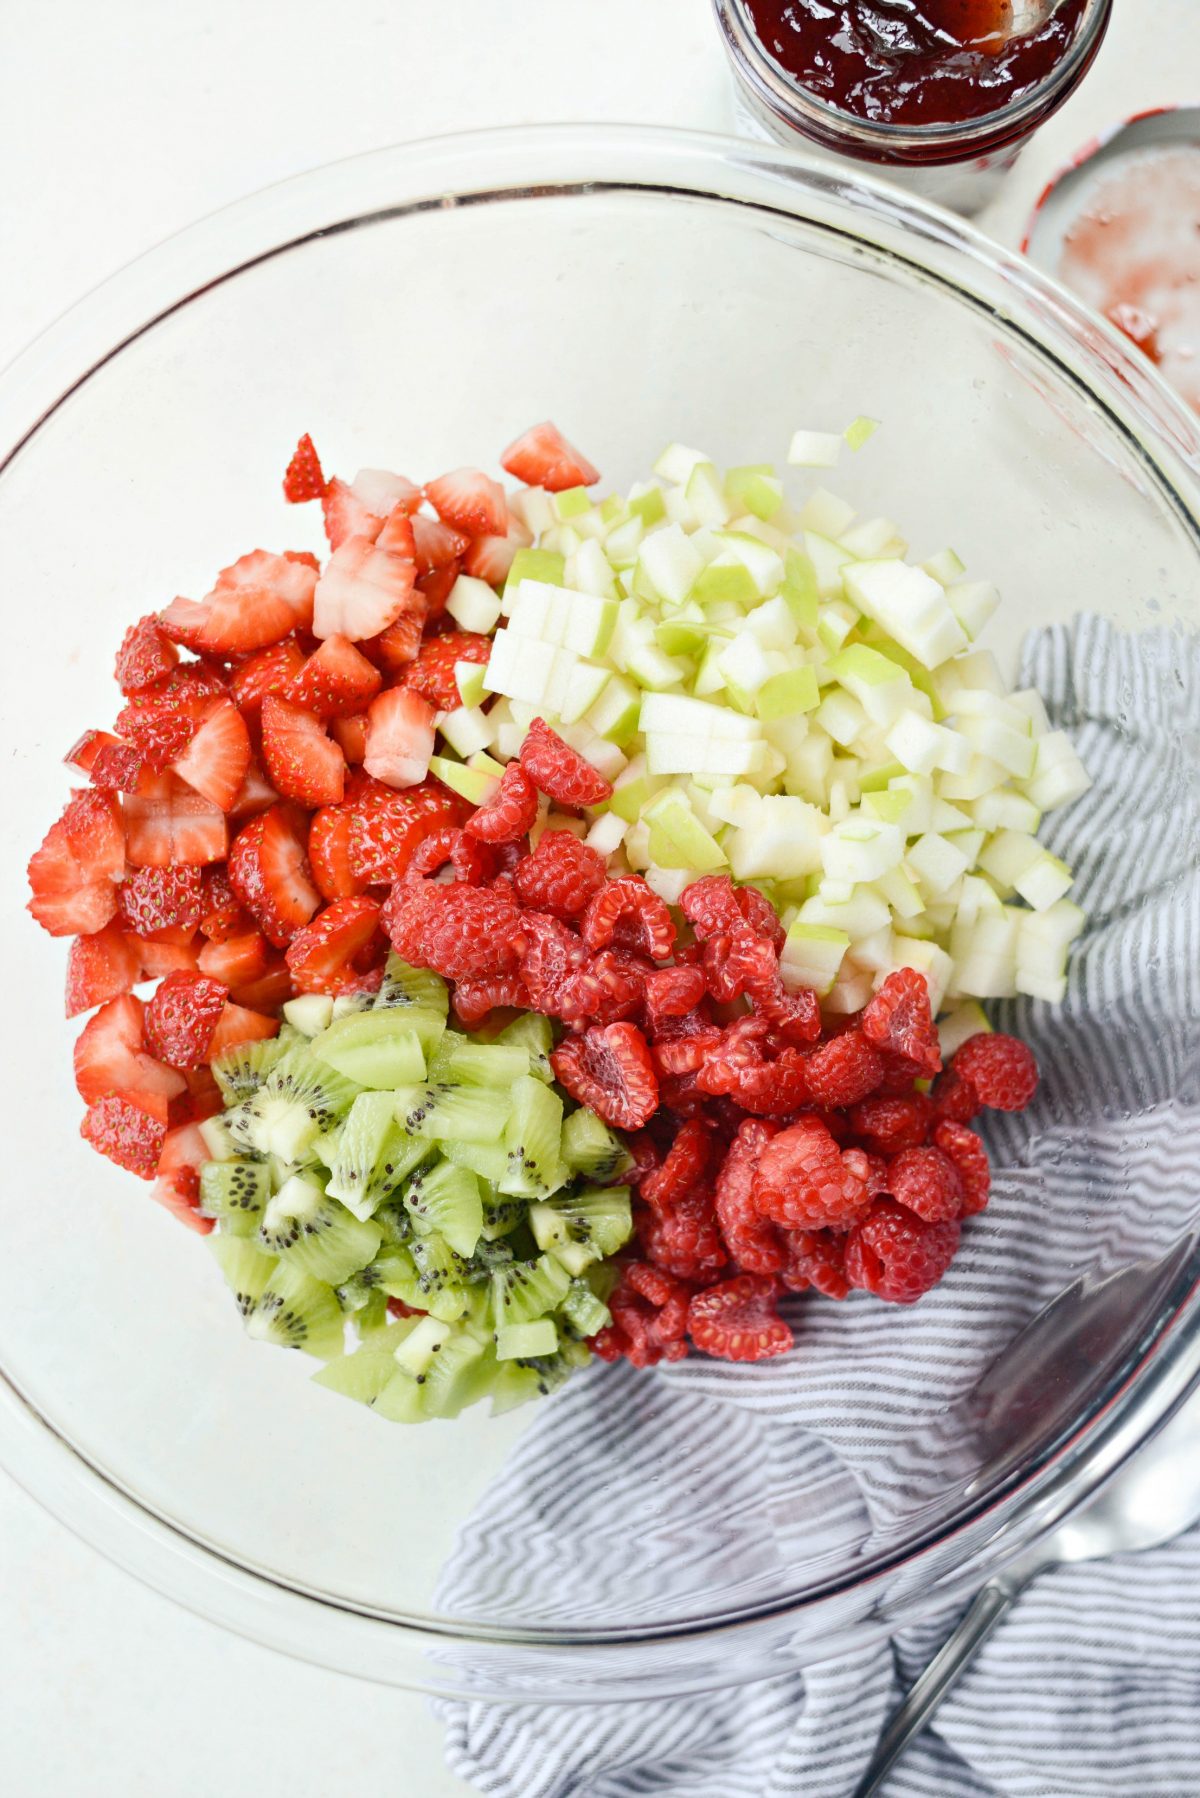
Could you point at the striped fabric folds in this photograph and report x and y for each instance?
(631, 1495)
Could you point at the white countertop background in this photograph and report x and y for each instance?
(120, 122)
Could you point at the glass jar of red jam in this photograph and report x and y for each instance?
(939, 94)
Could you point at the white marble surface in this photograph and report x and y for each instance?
(119, 123)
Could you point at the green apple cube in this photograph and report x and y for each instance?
(828, 561)
(851, 992)
(737, 804)
(876, 953)
(889, 807)
(860, 431)
(1008, 855)
(310, 1013)
(773, 624)
(535, 565)
(583, 690)
(875, 778)
(669, 563)
(863, 913)
(967, 842)
(467, 730)
(475, 787)
(762, 563)
(827, 514)
(654, 670)
(812, 957)
(1044, 882)
(910, 605)
(755, 488)
(978, 777)
(615, 713)
(861, 850)
(683, 636)
(632, 791)
(800, 592)
(945, 567)
(964, 673)
(1029, 702)
(973, 603)
(962, 1022)
(533, 507)
(647, 506)
(836, 621)
(880, 686)
(582, 622)
(705, 494)
(840, 716)
(623, 541)
(947, 818)
(723, 580)
(985, 955)
(975, 895)
(677, 462)
(1059, 777)
(783, 841)
(874, 537)
(1005, 809)
(937, 864)
(677, 837)
(604, 756)
(470, 679)
(901, 894)
(520, 667)
(785, 695)
(589, 571)
(473, 605)
(1015, 751)
(676, 713)
(744, 664)
(689, 754)
(815, 449)
(571, 502)
(607, 833)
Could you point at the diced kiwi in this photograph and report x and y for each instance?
(299, 1100)
(242, 1069)
(453, 1113)
(438, 1266)
(246, 1268)
(236, 1192)
(460, 1372)
(429, 1336)
(361, 1376)
(347, 1005)
(521, 1342)
(416, 987)
(515, 1384)
(488, 1160)
(394, 1222)
(535, 1034)
(445, 1198)
(313, 1232)
(296, 1311)
(590, 1148)
(218, 1139)
(310, 1013)
(532, 1132)
(501, 1213)
(578, 1227)
(373, 1155)
(527, 1290)
(583, 1310)
(457, 1061)
(401, 1400)
(377, 1049)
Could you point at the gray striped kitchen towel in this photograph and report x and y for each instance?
(718, 1477)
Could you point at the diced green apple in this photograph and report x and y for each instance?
(860, 431)
(815, 449)
(475, 787)
(467, 730)
(910, 605)
(470, 678)
(973, 603)
(677, 837)
(788, 694)
(1059, 777)
(784, 840)
(755, 488)
(473, 605)
(812, 957)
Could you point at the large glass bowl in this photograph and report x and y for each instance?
(415, 308)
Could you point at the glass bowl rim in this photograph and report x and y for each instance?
(504, 165)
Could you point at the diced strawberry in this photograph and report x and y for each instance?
(384, 493)
(269, 991)
(269, 872)
(395, 647)
(436, 587)
(161, 721)
(203, 1099)
(490, 557)
(436, 544)
(176, 826)
(120, 768)
(222, 916)
(254, 795)
(362, 590)
(159, 959)
(350, 735)
(82, 753)
(329, 836)
(468, 501)
(336, 681)
(238, 1025)
(256, 601)
(145, 656)
(302, 761)
(397, 533)
(127, 1133)
(433, 674)
(400, 737)
(72, 874)
(387, 827)
(237, 961)
(181, 1017)
(110, 1056)
(100, 967)
(269, 671)
(544, 458)
(346, 516)
(304, 479)
(215, 761)
(177, 1176)
(155, 901)
(321, 955)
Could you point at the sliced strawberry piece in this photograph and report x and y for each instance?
(72, 874)
(350, 735)
(203, 1099)
(159, 959)
(433, 676)
(181, 1017)
(490, 557)
(177, 1176)
(362, 590)
(384, 493)
(269, 671)
(395, 647)
(302, 761)
(161, 720)
(400, 738)
(254, 795)
(110, 1056)
(436, 587)
(120, 768)
(436, 544)
(155, 900)
(256, 601)
(397, 533)
(304, 479)
(544, 458)
(346, 516)
(215, 761)
(238, 1025)
(268, 992)
(321, 955)
(126, 1133)
(468, 501)
(145, 656)
(99, 968)
(387, 831)
(176, 825)
(329, 837)
(269, 872)
(82, 753)
(222, 915)
(336, 681)
(237, 961)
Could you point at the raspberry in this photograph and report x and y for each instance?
(737, 1320)
(897, 1256)
(738, 1067)
(473, 999)
(683, 1045)
(649, 1312)
(609, 1068)
(154, 899)
(877, 1176)
(926, 1182)
(145, 656)
(668, 1295)
(954, 1098)
(753, 1243)
(899, 1020)
(966, 1151)
(794, 1016)
(845, 1070)
(304, 479)
(460, 932)
(126, 1134)
(558, 770)
(510, 812)
(804, 1181)
(685, 1240)
(760, 915)
(672, 993)
(606, 990)
(710, 906)
(181, 1018)
(223, 915)
(890, 1125)
(472, 861)
(679, 1093)
(816, 1259)
(432, 673)
(628, 913)
(559, 876)
(550, 955)
(646, 1158)
(735, 962)
(1002, 1069)
(686, 1164)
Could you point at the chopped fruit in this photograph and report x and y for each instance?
(544, 458)
(237, 961)
(474, 999)
(125, 1133)
(72, 875)
(738, 1321)
(461, 932)
(387, 827)
(174, 826)
(490, 558)
(628, 914)
(270, 671)
(816, 1259)
(436, 545)
(158, 958)
(926, 1182)
(256, 601)
(303, 763)
(346, 515)
(509, 814)
(82, 753)
(436, 587)
(965, 1149)
(350, 735)
(119, 768)
(397, 533)
(400, 738)
(266, 994)
(336, 681)
(472, 861)
(181, 1017)
(215, 761)
(322, 955)
(609, 1069)
(398, 645)
(805, 1182)
(329, 837)
(254, 795)
(844, 1070)
(468, 501)
(361, 591)
(669, 992)
(560, 771)
(221, 916)
(897, 1256)
(110, 1056)
(434, 672)
(238, 1025)
(686, 1164)
(686, 1240)
(303, 479)
(899, 1020)
(145, 656)
(1002, 1070)
(177, 1175)
(100, 967)
(269, 872)
(560, 875)
(161, 720)
(753, 1242)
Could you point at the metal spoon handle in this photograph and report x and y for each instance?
(942, 1673)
